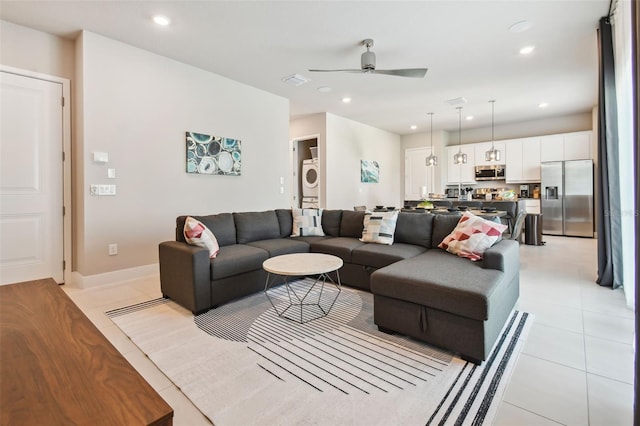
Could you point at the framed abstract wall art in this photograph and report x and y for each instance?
(369, 171)
(213, 155)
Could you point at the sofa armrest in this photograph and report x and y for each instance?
(185, 275)
(503, 256)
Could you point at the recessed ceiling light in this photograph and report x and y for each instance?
(520, 27)
(161, 20)
(527, 50)
(413, 127)
(324, 89)
(469, 117)
(543, 105)
(346, 100)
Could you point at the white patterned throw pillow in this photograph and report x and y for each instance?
(197, 234)
(307, 222)
(379, 227)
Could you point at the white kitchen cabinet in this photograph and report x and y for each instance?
(552, 148)
(481, 149)
(417, 174)
(513, 161)
(529, 205)
(567, 146)
(523, 160)
(461, 173)
(577, 146)
(531, 160)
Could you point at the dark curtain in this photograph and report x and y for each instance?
(608, 223)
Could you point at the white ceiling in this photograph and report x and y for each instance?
(465, 44)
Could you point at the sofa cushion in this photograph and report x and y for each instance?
(255, 226)
(443, 224)
(307, 222)
(351, 224)
(195, 233)
(285, 219)
(380, 255)
(331, 222)
(278, 246)
(472, 236)
(414, 228)
(379, 227)
(221, 225)
(237, 259)
(339, 246)
(311, 239)
(440, 280)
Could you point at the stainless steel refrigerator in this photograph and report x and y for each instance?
(567, 198)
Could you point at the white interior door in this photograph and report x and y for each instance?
(31, 185)
(417, 173)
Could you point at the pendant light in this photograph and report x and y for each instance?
(493, 154)
(432, 160)
(460, 157)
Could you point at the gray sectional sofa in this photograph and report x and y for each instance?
(419, 290)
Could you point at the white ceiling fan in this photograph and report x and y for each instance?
(368, 65)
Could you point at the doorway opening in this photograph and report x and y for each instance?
(306, 173)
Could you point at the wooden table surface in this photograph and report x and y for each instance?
(56, 368)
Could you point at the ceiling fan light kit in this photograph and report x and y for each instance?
(493, 154)
(368, 65)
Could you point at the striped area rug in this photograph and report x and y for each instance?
(242, 364)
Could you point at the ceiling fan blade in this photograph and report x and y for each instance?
(407, 72)
(348, 70)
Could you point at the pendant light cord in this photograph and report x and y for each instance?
(460, 129)
(431, 115)
(493, 105)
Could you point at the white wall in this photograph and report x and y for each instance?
(348, 142)
(31, 50)
(342, 144)
(137, 106)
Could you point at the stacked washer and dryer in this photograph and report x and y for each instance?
(310, 179)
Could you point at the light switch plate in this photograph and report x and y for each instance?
(111, 173)
(102, 189)
(100, 157)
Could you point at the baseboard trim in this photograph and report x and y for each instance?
(78, 280)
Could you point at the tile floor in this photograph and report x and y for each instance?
(576, 367)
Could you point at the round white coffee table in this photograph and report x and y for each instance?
(307, 294)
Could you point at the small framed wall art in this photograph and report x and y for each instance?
(369, 171)
(213, 155)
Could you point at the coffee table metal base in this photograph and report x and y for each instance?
(306, 296)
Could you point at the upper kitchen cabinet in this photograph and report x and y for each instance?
(481, 150)
(567, 146)
(461, 173)
(577, 146)
(523, 160)
(552, 148)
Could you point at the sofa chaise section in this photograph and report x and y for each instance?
(446, 300)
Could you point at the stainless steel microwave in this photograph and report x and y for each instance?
(490, 172)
